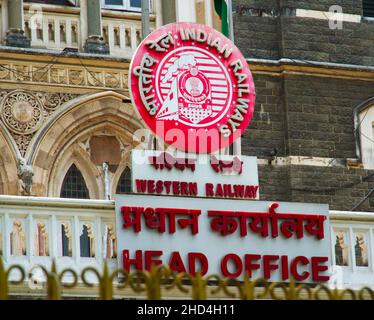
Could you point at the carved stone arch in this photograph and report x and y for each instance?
(8, 163)
(125, 162)
(98, 103)
(86, 114)
(89, 172)
(76, 149)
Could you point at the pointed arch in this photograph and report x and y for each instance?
(75, 156)
(124, 182)
(83, 107)
(74, 185)
(8, 163)
(77, 118)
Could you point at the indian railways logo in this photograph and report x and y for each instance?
(192, 87)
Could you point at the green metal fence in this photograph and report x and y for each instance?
(161, 283)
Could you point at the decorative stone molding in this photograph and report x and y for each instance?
(22, 141)
(77, 76)
(96, 45)
(23, 112)
(17, 38)
(25, 176)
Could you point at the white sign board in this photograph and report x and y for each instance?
(158, 172)
(271, 240)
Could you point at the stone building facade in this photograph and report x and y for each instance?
(65, 107)
(315, 98)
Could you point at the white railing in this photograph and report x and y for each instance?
(76, 233)
(80, 233)
(122, 36)
(352, 244)
(56, 31)
(53, 31)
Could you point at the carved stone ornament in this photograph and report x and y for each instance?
(51, 101)
(21, 112)
(25, 176)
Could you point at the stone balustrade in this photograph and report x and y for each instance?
(50, 31)
(122, 36)
(76, 233)
(57, 28)
(80, 233)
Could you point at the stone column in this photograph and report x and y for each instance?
(15, 36)
(4, 18)
(95, 42)
(168, 11)
(83, 22)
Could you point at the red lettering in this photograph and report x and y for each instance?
(255, 189)
(176, 262)
(239, 191)
(219, 191)
(149, 261)
(167, 185)
(231, 194)
(141, 185)
(268, 266)
(193, 258)
(297, 276)
(159, 186)
(238, 265)
(137, 261)
(317, 268)
(151, 186)
(285, 272)
(192, 186)
(176, 186)
(209, 190)
(225, 190)
(184, 188)
(249, 266)
(250, 192)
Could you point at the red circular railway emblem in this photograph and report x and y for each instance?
(192, 86)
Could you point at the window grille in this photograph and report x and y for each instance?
(74, 185)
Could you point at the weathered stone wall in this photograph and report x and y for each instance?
(312, 39)
(302, 115)
(266, 30)
(267, 128)
(349, 6)
(305, 115)
(341, 188)
(320, 115)
(274, 183)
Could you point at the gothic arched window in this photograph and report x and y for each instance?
(364, 132)
(124, 183)
(74, 185)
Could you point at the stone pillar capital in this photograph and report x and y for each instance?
(15, 36)
(95, 42)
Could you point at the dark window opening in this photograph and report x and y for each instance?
(124, 183)
(131, 5)
(65, 242)
(74, 185)
(368, 8)
(58, 2)
(85, 243)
